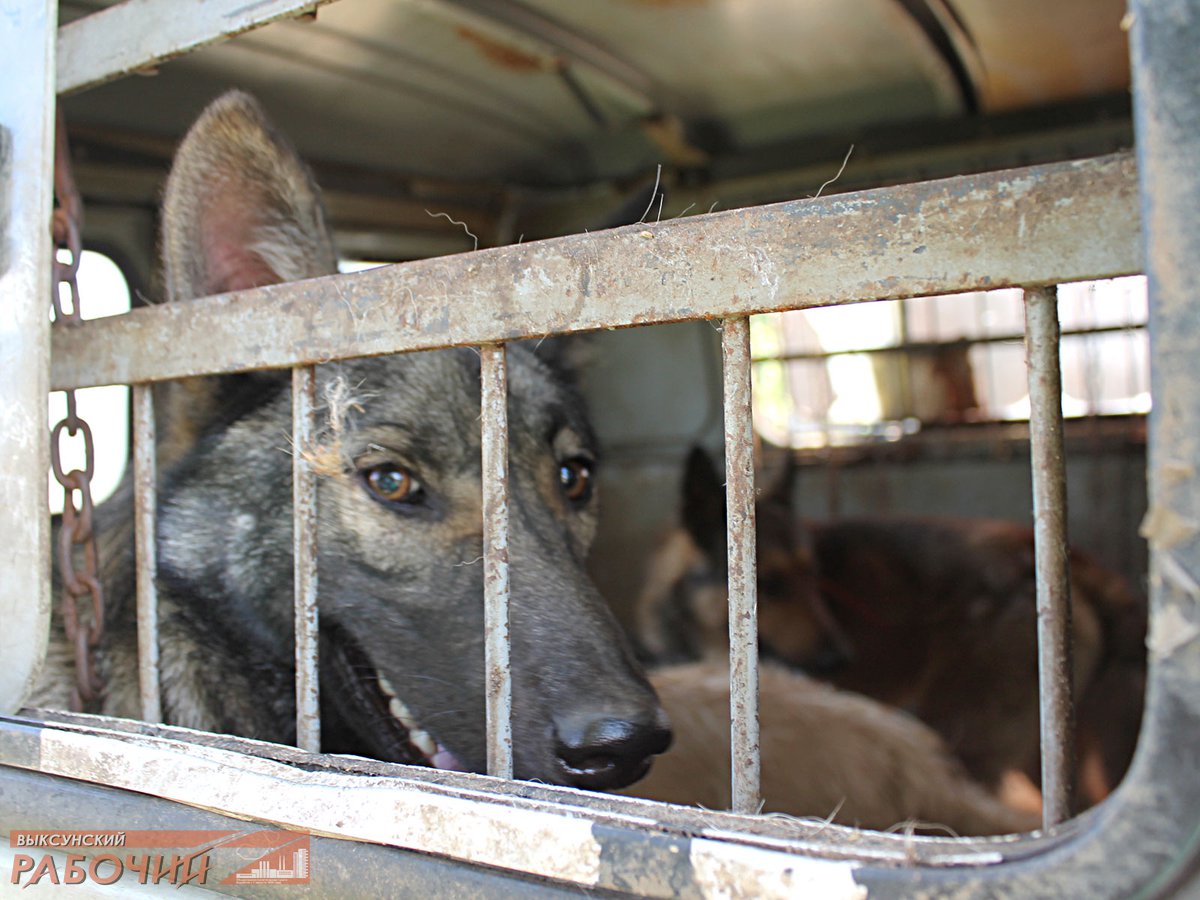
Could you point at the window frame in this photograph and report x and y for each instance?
(727, 266)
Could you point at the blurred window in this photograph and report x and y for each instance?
(877, 371)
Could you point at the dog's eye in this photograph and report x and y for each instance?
(392, 483)
(575, 476)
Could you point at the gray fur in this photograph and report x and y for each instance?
(402, 584)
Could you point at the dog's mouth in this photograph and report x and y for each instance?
(365, 716)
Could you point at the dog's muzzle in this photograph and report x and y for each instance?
(382, 726)
(603, 752)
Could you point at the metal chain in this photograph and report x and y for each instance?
(75, 535)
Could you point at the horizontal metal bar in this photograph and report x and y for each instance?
(1041, 225)
(145, 507)
(139, 34)
(578, 837)
(20, 742)
(494, 400)
(341, 868)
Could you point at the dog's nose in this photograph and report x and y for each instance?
(602, 752)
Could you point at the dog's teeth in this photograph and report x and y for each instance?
(400, 711)
(423, 742)
(386, 687)
(418, 737)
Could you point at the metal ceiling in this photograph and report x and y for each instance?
(536, 117)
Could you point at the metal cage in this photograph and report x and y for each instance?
(442, 833)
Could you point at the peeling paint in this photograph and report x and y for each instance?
(763, 266)
(505, 55)
(1170, 630)
(748, 873)
(1175, 472)
(1164, 528)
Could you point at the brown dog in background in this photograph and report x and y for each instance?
(936, 616)
(826, 753)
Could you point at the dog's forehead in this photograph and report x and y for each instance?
(438, 391)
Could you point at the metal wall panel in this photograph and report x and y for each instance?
(26, 155)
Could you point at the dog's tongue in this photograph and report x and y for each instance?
(444, 759)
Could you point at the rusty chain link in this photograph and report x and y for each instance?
(75, 532)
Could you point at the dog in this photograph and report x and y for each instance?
(399, 523)
(826, 754)
(936, 616)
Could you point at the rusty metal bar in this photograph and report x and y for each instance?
(743, 579)
(304, 558)
(981, 231)
(145, 506)
(26, 159)
(139, 34)
(1166, 71)
(584, 843)
(494, 403)
(1050, 537)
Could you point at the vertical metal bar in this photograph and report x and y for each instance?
(494, 403)
(907, 395)
(145, 505)
(304, 556)
(27, 34)
(1166, 116)
(743, 588)
(1050, 536)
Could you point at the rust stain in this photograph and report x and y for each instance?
(505, 55)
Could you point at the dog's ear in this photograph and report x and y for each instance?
(566, 354)
(240, 209)
(704, 504)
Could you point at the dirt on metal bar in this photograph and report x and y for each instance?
(743, 579)
(1014, 228)
(304, 558)
(494, 401)
(145, 507)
